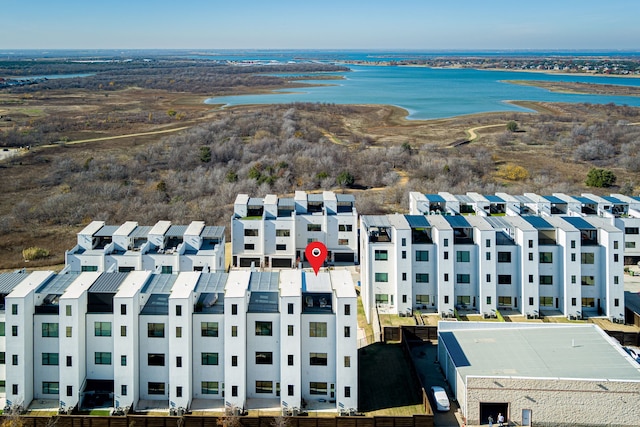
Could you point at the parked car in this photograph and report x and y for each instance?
(440, 397)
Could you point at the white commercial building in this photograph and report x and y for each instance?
(187, 340)
(163, 248)
(274, 231)
(529, 264)
(539, 374)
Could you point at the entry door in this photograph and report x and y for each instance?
(526, 417)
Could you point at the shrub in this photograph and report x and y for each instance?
(512, 126)
(345, 179)
(34, 253)
(513, 172)
(600, 178)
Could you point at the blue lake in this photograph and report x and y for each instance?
(428, 93)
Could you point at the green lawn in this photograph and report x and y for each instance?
(386, 386)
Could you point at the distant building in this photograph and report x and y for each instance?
(274, 231)
(539, 374)
(163, 248)
(193, 339)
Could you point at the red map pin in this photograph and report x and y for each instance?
(316, 254)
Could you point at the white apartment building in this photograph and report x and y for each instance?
(530, 264)
(190, 340)
(163, 248)
(274, 231)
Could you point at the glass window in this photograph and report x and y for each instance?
(234, 360)
(347, 331)
(281, 247)
(123, 331)
(504, 301)
(382, 299)
(102, 358)
(251, 232)
(50, 359)
(347, 361)
(404, 241)
(155, 330)
(347, 391)
(264, 358)
(381, 255)
(290, 330)
(343, 242)
(504, 256)
(588, 302)
(69, 331)
(382, 277)
(209, 387)
(546, 257)
(318, 359)
(155, 388)
(209, 329)
(318, 329)
(14, 309)
(318, 388)
(166, 269)
(89, 268)
(283, 233)
(234, 331)
(587, 258)
(50, 387)
(504, 279)
(234, 309)
(404, 254)
(345, 227)
(178, 361)
(289, 359)
(546, 301)
(14, 330)
(463, 278)
(123, 360)
(69, 361)
(264, 387)
(264, 328)
(446, 243)
(422, 256)
(178, 391)
(632, 230)
(314, 227)
(546, 280)
(587, 280)
(422, 277)
(155, 359)
(102, 329)
(123, 309)
(178, 331)
(488, 243)
(488, 256)
(123, 389)
(50, 330)
(68, 310)
(249, 246)
(209, 358)
(2, 329)
(422, 299)
(178, 310)
(463, 256)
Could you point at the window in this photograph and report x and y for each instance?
(587, 280)
(463, 300)
(318, 359)
(530, 300)
(587, 258)
(504, 256)
(404, 254)
(209, 387)
(531, 278)
(345, 227)
(422, 299)
(166, 269)
(50, 387)
(178, 391)
(381, 255)
(178, 310)
(69, 331)
(251, 232)
(504, 279)
(209, 359)
(289, 359)
(178, 361)
(89, 268)
(290, 330)
(488, 256)
(573, 279)
(546, 280)
(249, 246)
(234, 309)
(281, 247)
(14, 359)
(632, 230)
(463, 278)
(1, 329)
(102, 329)
(178, 331)
(50, 330)
(446, 277)
(504, 301)
(488, 300)
(209, 329)
(546, 301)
(283, 233)
(347, 309)
(615, 258)
(123, 309)
(318, 388)
(462, 256)
(531, 243)
(422, 277)
(404, 276)
(155, 359)
(14, 331)
(573, 244)
(616, 280)
(234, 390)
(155, 330)
(573, 302)
(347, 331)
(347, 361)
(234, 360)
(446, 243)
(290, 308)
(264, 387)
(123, 360)
(573, 257)
(290, 390)
(446, 299)
(616, 302)
(14, 309)
(3, 386)
(50, 359)
(264, 329)
(69, 390)
(446, 255)
(68, 310)
(343, 242)
(588, 302)
(314, 227)
(102, 358)
(546, 257)
(630, 245)
(123, 389)
(381, 277)
(234, 331)
(14, 388)
(404, 241)
(530, 256)
(347, 391)
(123, 331)
(318, 329)
(422, 256)
(264, 358)
(382, 299)
(488, 278)
(404, 299)
(69, 361)
(155, 388)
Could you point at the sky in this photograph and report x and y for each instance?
(325, 24)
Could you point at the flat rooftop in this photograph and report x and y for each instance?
(539, 351)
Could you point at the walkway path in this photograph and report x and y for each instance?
(106, 138)
(471, 133)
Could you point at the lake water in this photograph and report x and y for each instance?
(428, 93)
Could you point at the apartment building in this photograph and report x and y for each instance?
(193, 339)
(163, 247)
(274, 231)
(528, 264)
